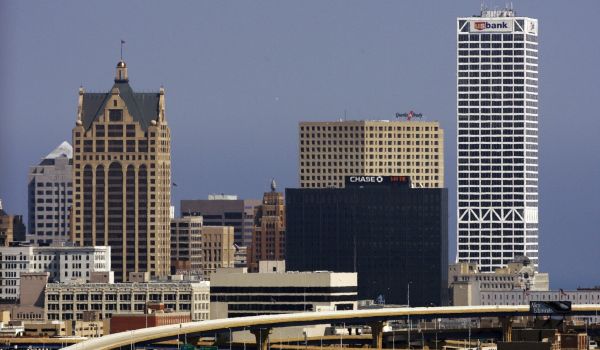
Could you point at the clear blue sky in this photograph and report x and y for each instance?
(239, 76)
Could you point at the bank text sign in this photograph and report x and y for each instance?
(491, 26)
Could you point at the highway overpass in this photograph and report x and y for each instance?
(261, 325)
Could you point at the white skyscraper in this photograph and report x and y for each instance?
(497, 109)
(50, 196)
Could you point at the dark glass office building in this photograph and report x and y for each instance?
(394, 236)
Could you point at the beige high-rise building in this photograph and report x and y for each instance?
(186, 245)
(11, 228)
(268, 237)
(330, 151)
(218, 250)
(122, 177)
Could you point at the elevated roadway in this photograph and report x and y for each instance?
(261, 325)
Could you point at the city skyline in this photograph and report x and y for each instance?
(250, 113)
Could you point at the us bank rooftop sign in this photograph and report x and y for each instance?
(492, 26)
(499, 25)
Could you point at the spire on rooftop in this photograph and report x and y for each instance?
(121, 76)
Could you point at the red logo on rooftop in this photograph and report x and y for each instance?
(479, 25)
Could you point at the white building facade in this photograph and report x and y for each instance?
(497, 110)
(236, 293)
(64, 265)
(50, 195)
(70, 301)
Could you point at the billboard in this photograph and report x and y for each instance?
(491, 26)
(549, 307)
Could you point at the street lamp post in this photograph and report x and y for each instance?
(305, 340)
(244, 337)
(436, 332)
(408, 315)
(469, 333)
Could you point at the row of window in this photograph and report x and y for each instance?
(341, 178)
(498, 52)
(363, 128)
(497, 82)
(121, 157)
(497, 248)
(51, 217)
(116, 128)
(497, 37)
(495, 74)
(481, 118)
(495, 146)
(469, 102)
(51, 193)
(375, 153)
(53, 200)
(493, 240)
(370, 140)
(497, 45)
(53, 184)
(493, 154)
(506, 124)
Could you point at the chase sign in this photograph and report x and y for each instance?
(376, 180)
(365, 179)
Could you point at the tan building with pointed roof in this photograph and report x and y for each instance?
(268, 237)
(122, 177)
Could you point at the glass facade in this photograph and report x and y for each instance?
(393, 236)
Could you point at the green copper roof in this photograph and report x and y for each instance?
(143, 106)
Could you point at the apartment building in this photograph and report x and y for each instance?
(71, 301)
(65, 264)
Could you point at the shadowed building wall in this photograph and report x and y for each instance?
(392, 235)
